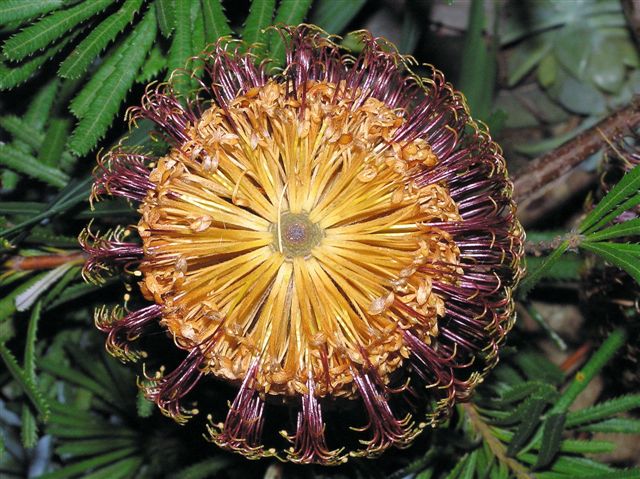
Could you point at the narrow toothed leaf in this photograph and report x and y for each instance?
(48, 29)
(11, 77)
(29, 387)
(91, 447)
(216, 24)
(165, 10)
(260, 15)
(21, 10)
(39, 110)
(628, 228)
(618, 425)
(22, 130)
(99, 115)
(29, 428)
(155, 63)
(81, 467)
(529, 421)
(334, 16)
(552, 428)
(197, 28)
(290, 12)
(181, 47)
(27, 164)
(52, 152)
(30, 342)
(88, 49)
(624, 256)
(603, 410)
(627, 188)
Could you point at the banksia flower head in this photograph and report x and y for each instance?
(336, 238)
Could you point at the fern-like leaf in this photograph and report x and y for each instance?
(12, 77)
(180, 48)
(94, 124)
(45, 31)
(88, 49)
(28, 165)
(166, 16)
(260, 15)
(216, 24)
(21, 10)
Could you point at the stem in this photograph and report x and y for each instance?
(45, 261)
(498, 449)
(551, 166)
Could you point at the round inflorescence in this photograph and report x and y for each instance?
(340, 232)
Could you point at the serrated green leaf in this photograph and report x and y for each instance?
(52, 153)
(39, 108)
(623, 256)
(28, 386)
(123, 469)
(537, 367)
(98, 117)
(552, 428)
(530, 419)
(627, 187)
(204, 469)
(91, 447)
(618, 425)
(519, 392)
(260, 15)
(618, 474)
(582, 378)
(532, 277)
(82, 466)
(153, 65)
(180, 49)
(88, 49)
(79, 379)
(22, 130)
(628, 228)
(20, 10)
(603, 410)
(28, 428)
(45, 31)
(28, 165)
(197, 28)
(165, 11)
(12, 77)
(30, 342)
(216, 24)
(85, 97)
(71, 195)
(290, 12)
(334, 16)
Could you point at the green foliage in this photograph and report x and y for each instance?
(89, 48)
(334, 16)
(103, 107)
(593, 230)
(50, 28)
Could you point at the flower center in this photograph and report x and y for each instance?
(296, 235)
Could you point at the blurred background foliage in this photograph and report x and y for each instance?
(538, 72)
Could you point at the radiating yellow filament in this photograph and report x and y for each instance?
(212, 257)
